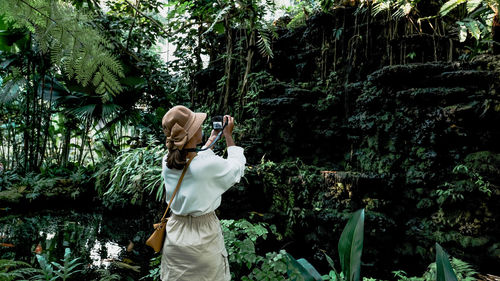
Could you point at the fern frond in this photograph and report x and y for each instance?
(264, 43)
(77, 49)
(15, 270)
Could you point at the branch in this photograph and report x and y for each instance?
(132, 25)
(157, 23)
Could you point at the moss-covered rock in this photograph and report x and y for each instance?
(11, 196)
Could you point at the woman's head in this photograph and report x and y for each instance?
(181, 127)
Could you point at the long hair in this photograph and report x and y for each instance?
(176, 159)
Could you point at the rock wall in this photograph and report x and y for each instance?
(352, 121)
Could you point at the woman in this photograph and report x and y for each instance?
(194, 246)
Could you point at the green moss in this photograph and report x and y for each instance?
(10, 196)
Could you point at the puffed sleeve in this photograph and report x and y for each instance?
(223, 173)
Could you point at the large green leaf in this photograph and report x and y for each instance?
(473, 27)
(449, 6)
(472, 5)
(351, 246)
(301, 269)
(444, 270)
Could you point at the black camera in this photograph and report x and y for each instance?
(218, 122)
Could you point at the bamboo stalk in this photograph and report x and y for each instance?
(28, 119)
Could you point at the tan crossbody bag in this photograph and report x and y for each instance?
(156, 239)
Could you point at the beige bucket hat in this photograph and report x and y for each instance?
(180, 124)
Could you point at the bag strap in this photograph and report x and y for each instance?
(176, 188)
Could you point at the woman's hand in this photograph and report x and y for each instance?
(213, 135)
(211, 139)
(228, 130)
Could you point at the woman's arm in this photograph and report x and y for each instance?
(211, 139)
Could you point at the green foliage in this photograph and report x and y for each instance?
(15, 270)
(469, 182)
(79, 50)
(289, 184)
(105, 275)
(351, 246)
(54, 271)
(12, 40)
(7, 179)
(443, 267)
(396, 8)
(241, 237)
(264, 42)
(136, 172)
(476, 19)
(271, 267)
(68, 267)
(462, 271)
(301, 269)
(299, 15)
(453, 4)
(154, 272)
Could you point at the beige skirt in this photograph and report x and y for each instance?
(194, 250)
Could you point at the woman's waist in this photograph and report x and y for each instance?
(193, 218)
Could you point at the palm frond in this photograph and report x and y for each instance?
(11, 89)
(264, 42)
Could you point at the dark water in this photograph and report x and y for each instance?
(112, 241)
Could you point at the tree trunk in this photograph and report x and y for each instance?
(47, 124)
(250, 54)
(27, 116)
(39, 103)
(33, 124)
(2, 160)
(84, 137)
(8, 147)
(227, 68)
(15, 150)
(66, 143)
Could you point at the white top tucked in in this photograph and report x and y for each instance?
(207, 177)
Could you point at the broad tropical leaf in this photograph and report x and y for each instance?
(449, 6)
(301, 269)
(351, 246)
(444, 270)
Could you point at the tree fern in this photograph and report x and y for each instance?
(76, 48)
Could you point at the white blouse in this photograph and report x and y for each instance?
(207, 177)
